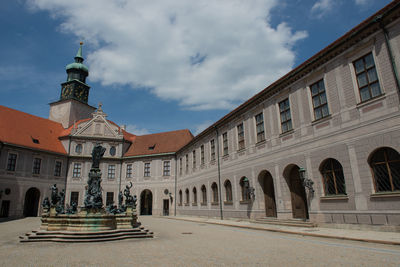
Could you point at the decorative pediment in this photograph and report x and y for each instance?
(98, 126)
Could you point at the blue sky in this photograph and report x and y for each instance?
(163, 65)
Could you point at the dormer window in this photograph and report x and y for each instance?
(34, 140)
(152, 147)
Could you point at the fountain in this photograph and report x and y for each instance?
(92, 222)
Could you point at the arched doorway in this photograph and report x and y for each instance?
(267, 185)
(31, 203)
(146, 202)
(297, 192)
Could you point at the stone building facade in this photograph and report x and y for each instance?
(320, 144)
(333, 120)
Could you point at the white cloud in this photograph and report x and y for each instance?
(362, 2)
(204, 54)
(134, 129)
(321, 7)
(201, 127)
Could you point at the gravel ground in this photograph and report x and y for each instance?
(181, 243)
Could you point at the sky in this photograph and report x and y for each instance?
(163, 65)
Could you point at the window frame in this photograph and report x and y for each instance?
(386, 162)
(286, 110)
(365, 71)
(111, 173)
(320, 107)
(334, 176)
(260, 135)
(225, 144)
(129, 170)
(77, 172)
(202, 158)
(36, 165)
(13, 162)
(240, 135)
(166, 168)
(57, 169)
(194, 159)
(147, 170)
(228, 191)
(212, 149)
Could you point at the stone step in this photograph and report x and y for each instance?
(66, 240)
(69, 236)
(285, 222)
(88, 233)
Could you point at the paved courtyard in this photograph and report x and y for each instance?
(182, 243)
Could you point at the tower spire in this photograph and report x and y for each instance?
(79, 58)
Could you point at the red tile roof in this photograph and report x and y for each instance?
(22, 129)
(159, 143)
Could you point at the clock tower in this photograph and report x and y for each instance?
(73, 103)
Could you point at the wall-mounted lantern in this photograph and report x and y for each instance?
(249, 189)
(307, 183)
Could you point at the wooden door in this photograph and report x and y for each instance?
(298, 195)
(269, 196)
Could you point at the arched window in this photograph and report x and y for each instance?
(180, 197)
(243, 189)
(78, 149)
(187, 196)
(204, 194)
(228, 191)
(385, 166)
(214, 189)
(332, 177)
(194, 195)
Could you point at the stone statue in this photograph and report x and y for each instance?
(120, 199)
(54, 195)
(46, 203)
(128, 196)
(61, 200)
(93, 196)
(97, 154)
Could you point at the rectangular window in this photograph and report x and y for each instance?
(77, 170)
(320, 103)
(225, 143)
(260, 127)
(12, 162)
(74, 198)
(286, 118)
(240, 133)
(147, 169)
(129, 171)
(212, 149)
(180, 166)
(167, 168)
(194, 159)
(202, 154)
(57, 168)
(109, 198)
(111, 172)
(367, 78)
(36, 165)
(187, 163)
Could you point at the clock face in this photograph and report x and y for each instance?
(67, 91)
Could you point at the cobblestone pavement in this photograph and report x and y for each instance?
(182, 243)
